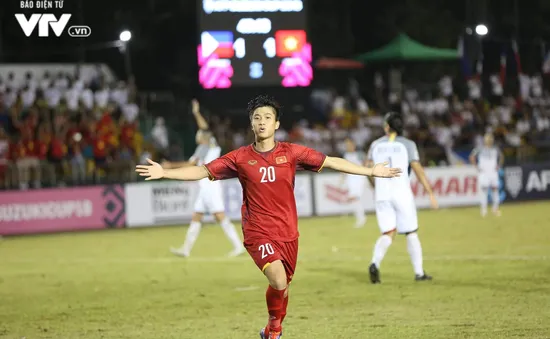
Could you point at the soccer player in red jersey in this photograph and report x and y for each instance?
(266, 170)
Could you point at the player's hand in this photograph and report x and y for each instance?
(433, 202)
(165, 164)
(195, 106)
(380, 170)
(152, 171)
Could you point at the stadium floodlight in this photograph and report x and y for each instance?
(482, 30)
(125, 36)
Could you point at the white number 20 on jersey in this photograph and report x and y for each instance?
(268, 174)
(266, 250)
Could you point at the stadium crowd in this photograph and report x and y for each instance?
(58, 129)
(440, 122)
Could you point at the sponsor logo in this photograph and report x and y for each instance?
(538, 182)
(447, 186)
(336, 194)
(513, 180)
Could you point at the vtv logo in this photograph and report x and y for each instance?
(44, 21)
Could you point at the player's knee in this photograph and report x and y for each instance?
(220, 217)
(390, 233)
(197, 217)
(276, 275)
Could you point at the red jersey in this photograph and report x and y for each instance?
(267, 179)
(43, 149)
(58, 149)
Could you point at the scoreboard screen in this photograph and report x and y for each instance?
(253, 43)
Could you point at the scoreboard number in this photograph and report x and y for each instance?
(240, 48)
(269, 46)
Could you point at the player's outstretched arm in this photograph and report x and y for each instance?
(176, 164)
(155, 171)
(201, 121)
(378, 170)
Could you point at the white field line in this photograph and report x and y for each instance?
(313, 259)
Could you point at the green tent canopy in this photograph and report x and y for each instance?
(403, 48)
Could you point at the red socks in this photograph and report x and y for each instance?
(283, 312)
(276, 305)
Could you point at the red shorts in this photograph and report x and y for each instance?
(265, 251)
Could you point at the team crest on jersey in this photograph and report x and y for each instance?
(513, 180)
(280, 160)
(252, 162)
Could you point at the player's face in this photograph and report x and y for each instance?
(386, 128)
(264, 123)
(488, 139)
(350, 146)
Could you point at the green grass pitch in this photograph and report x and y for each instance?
(491, 280)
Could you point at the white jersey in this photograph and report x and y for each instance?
(487, 159)
(355, 183)
(399, 152)
(203, 155)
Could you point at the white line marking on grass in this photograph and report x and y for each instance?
(246, 288)
(313, 259)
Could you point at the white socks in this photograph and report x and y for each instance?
(191, 237)
(380, 249)
(415, 251)
(195, 229)
(413, 246)
(484, 201)
(231, 233)
(496, 200)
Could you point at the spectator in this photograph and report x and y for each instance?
(52, 95)
(24, 154)
(130, 111)
(72, 96)
(58, 156)
(4, 154)
(87, 97)
(101, 97)
(75, 142)
(45, 82)
(159, 134)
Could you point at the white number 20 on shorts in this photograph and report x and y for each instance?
(266, 250)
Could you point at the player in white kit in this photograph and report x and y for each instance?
(488, 159)
(356, 183)
(210, 197)
(395, 206)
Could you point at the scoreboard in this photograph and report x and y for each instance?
(253, 43)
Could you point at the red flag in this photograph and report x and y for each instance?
(288, 42)
(502, 68)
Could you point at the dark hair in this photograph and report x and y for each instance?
(395, 122)
(263, 101)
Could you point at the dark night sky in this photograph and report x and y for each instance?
(165, 31)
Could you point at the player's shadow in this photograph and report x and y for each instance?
(360, 275)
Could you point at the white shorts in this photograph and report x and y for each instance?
(397, 214)
(488, 180)
(210, 200)
(355, 186)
